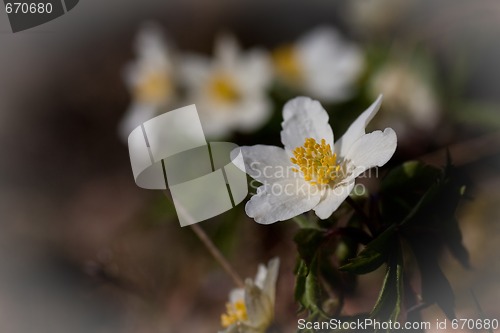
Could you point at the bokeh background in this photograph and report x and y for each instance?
(83, 249)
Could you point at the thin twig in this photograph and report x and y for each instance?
(207, 242)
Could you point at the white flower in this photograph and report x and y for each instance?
(229, 90)
(150, 79)
(312, 172)
(251, 309)
(378, 16)
(410, 102)
(321, 64)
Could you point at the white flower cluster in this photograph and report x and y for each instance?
(230, 88)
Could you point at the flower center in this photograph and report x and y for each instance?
(236, 312)
(154, 88)
(287, 64)
(317, 162)
(223, 89)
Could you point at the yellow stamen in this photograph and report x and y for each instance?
(223, 89)
(153, 88)
(287, 64)
(236, 312)
(317, 162)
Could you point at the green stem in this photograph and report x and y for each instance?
(301, 221)
(304, 223)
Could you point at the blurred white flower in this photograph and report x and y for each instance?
(311, 172)
(228, 90)
(150, 79)
(251, 309)
(410, 101)
(321, 64)
(377, 16)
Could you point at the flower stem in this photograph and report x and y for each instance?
(301, 221)
(305, 223)
(207, 242)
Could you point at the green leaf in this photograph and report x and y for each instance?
(301, 272)
(435, 285)
(452, 192)
(453, 240)
(416, 212)
(373, 255)
(409, 175)
(436, 211)
(402, 189)
(388, 305)
(308, 289)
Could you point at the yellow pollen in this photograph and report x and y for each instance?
(287, 64)
(223, 89)
(236, 312)
(154, 88)
(317, 162)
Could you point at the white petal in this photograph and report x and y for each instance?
(304, 118)
(266, 164)
(261, 276)
(357, 128)
(237, 294)
(269, 285)
(330, 64)
(259, 307)
(282, 200)
(151, 41)
(252, 112)
(137, 114)
(254, 72)
(153, 56)
(194, 70)
(215, 124)
(373, 149)
(226, 50)
(332, 199)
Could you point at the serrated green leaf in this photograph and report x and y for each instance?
(308, 289)
(301, 272)
(388, 305)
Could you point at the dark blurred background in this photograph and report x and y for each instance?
(83, 249)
